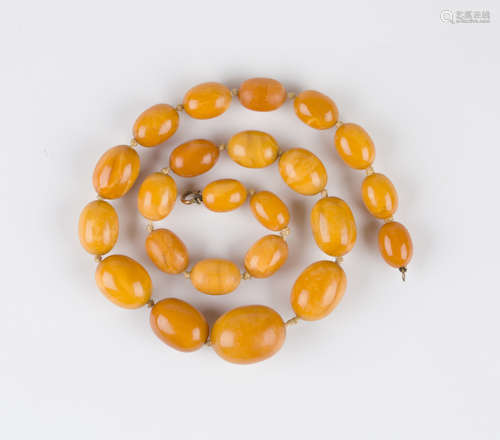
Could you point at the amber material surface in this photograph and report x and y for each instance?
(354, 146)
(98, 227)
(116, 172)
(248, 334)
(303, 171)
(333, 226)
(379, 195)
(266, 256)
(224, 195)
(155, 125)
(167, 251)
(262, 94)
(123, 281)
(215, 276)
(207, 100)
(157, 196)
(395, 244)
(318, 290)
(316, 110)
(179, 324)
(253, 149)
(269, 210)
(194, 157)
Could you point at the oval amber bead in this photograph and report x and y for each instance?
(333, 226)
(194, 157)
(395, 244)
(155, 125)
(116, 172)
(207, 100)
(269, 210)
(379, 195)
(215, 276)
(316, 110)
(303, 171)
(179, 324)
(354, 146)
(123, 281)
(262, 94)
(318, 290)
(157, 196)
(98, 227)
(253, 149)
(224, 195)
(266, 256)
(167, 251)
(248, 334)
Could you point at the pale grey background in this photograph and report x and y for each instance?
(394, 361)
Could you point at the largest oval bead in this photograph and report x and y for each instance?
(379, 195)
(98, 227)
(248, 334)
(224, 195)
(354, 146)
(303, 171)
(155, 125)
(215, 276)
(395, 244)
(179, 324)
(167, 251)
(316, 110)
(333, 226)
(262, 94)
(194, 157)
(207, 100)
(269, 210)
(116, 172)
(318, 290)
(253, 149)
(157, 196)
(266, 256)
(123, 281)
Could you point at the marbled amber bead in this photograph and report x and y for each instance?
(98, 227)
(224, 195)
(262, 94)
(379, 195)
(116, 171)
(215, 276)
(179, 324)
(316, 110)
(207, 100)
(303, 171)
(395, 244)
(194, 157)
(266, 256)
(253, 149)
(248, 334)
(167, 251)
(157, 196)
(269, 210)
(333, 226)
(155, 125)
(354, 146)
(318, 290)
(123, 281)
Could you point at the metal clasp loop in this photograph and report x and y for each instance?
(192, 198)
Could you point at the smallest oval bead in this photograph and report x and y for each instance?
(178, 324)
(262, 94)
(207, 100)
(266, 256)
(157, 196)
(303, 171)
(155, 125)
(253, 149)
(354, 146)
(167, 251)
(194, 157)
(98, 227)
(316, 110)
(224, 195)
(269, 210)
(379, 195)
(215, 276)
(395, 244)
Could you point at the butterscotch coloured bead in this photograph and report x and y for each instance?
(224, 195)
(155, 125)
(215, 276)
(253, 149)
(266, 256)
(262, 94)
(379, 195)
(207, 100)
(98, 227)
(316, 110)
(302, 171)
(157, 196)
(354, 146)
(269, 210)
(395, 245)
(194, 157)
(167, 251)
